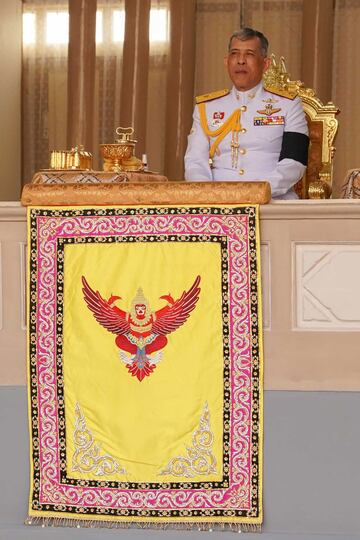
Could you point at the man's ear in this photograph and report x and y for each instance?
(267, 62)
(226, 60)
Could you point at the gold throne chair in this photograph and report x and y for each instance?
(317, 180)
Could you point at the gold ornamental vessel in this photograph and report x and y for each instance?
(120, 156)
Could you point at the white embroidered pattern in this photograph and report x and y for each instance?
(87, 457)
(200, 459)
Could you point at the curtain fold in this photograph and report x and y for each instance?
(157, 91)
(44, 84)
(109, 71)
(282, 22)
(81, 73)
(133, 108)
(345, 83)
(180, 85)
(317, 46)
(215, 22)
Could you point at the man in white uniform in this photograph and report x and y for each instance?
(248, 133)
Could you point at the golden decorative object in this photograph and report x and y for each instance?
(75, 159)
(120, 156)
(317, 180)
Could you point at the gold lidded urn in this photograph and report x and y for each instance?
(75, 159)
(120, 155)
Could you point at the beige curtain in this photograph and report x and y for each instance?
(157, 95)
(281, 22)
(215, 22)
(44, 86)
(108, 79)
(150, 81)
(56, 109)
(345, 83)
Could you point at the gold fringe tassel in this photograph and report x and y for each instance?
(185, 525)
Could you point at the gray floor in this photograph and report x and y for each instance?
(311, 472)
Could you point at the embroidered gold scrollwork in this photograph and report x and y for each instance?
(200, 459)
(87, 457)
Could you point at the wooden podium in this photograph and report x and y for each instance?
(146, 413)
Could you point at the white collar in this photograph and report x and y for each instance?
(248, 95)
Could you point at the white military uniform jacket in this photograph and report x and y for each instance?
(264, 118)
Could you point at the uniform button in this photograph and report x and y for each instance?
(242, 151)
(241, 171)
(243, 130)
(243, 108)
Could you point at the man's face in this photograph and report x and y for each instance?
(140, 310)
(245, 63)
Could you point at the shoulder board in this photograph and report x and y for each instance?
(212, 95)
(281, 92)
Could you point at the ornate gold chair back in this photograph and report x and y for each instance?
(317, 180)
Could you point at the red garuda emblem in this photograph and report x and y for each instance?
(141, 333)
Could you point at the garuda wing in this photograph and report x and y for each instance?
(106, 315)
(178, 312)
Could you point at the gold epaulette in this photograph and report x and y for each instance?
(289, 94)
(212, 95)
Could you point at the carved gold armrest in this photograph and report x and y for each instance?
(321, 188)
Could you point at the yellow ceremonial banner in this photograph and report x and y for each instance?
(145, 366)
(142, 429)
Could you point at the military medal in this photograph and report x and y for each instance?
(218, 118)
(269, 109)
(269, 120)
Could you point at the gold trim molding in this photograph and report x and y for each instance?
(160, 193)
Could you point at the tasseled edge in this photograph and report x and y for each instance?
(185, 525)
